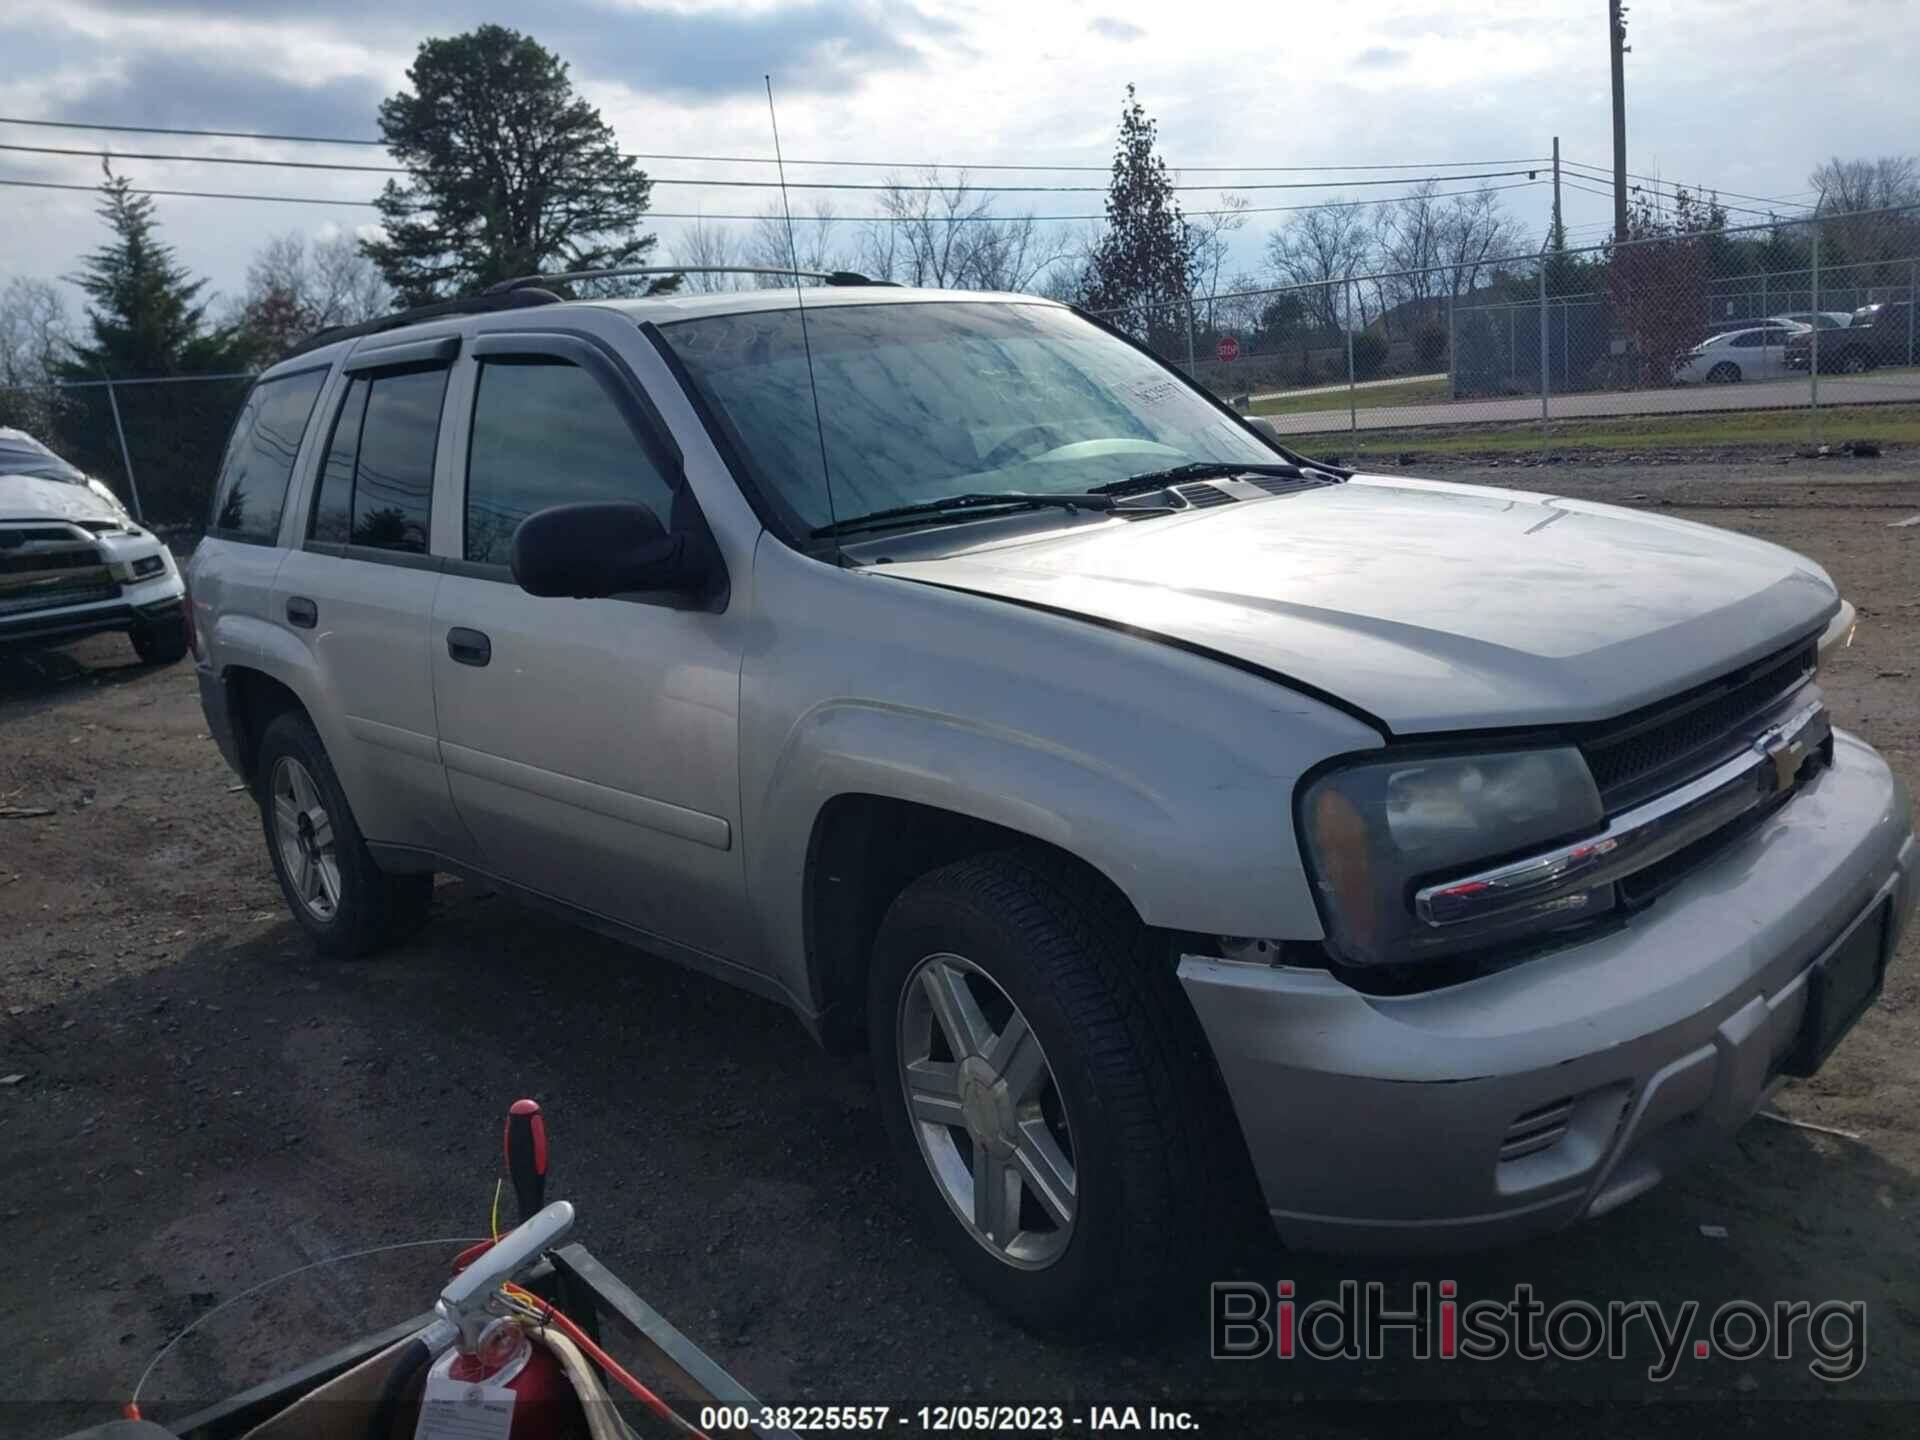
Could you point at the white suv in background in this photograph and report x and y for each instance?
(1176, 821)
(74, 563)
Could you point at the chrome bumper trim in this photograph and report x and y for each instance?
(1639, 837)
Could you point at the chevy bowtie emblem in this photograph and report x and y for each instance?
(1787, 746)
(1786, 756)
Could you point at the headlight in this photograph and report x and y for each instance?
(1372, 831)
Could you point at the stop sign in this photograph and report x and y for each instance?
(1229, 348)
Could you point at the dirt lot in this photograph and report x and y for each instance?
(204, 1104)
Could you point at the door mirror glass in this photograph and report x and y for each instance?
(590, 551)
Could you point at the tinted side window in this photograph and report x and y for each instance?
(546, 433)
(252, 489)
(333, 504)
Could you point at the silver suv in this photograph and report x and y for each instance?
(1173, 818)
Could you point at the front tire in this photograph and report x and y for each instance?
(163, 643)
(1725, 373)
(1042, 1082)
(346, 903)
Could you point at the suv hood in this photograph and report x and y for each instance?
(1428, 606)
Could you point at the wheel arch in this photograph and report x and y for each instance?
(254, 700)
(864, 849)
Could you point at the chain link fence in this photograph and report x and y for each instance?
(157, 443)
(1762, 334)
(1762, 329)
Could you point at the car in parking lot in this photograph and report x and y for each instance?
(1878, 335)
(74, 563)
(1176, 821)
(1809, 319)
(1756, 353)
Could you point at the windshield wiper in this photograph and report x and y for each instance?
(1196, 470)
(963, 505)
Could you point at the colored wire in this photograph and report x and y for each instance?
(546, 1313)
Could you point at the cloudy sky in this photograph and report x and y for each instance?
(1720, 92)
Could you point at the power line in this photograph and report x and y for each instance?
(888, 186)
(820, 219)
(768, 160)
(1602, 173)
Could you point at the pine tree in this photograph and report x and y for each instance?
(146, 317)
(1141, 275)
(510, 172)
(146, 321)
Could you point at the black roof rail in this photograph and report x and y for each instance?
(527, 290)
(831, 277)
(480, 304)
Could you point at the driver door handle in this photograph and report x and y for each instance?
(469, 647)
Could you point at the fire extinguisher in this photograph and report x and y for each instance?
(545, 1404)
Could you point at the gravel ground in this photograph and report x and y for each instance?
(203, 1104)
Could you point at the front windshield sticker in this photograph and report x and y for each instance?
(1153, 391)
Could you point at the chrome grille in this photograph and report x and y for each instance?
(43, 567)
(1664, 745)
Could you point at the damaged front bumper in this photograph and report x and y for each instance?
(1522, 1101)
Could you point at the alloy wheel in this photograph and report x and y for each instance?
(304, 833)
(987, 1111)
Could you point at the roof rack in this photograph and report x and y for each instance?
(524, 290)
(479, 304)
(831, 277)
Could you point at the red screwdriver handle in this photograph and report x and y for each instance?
(526, 1151)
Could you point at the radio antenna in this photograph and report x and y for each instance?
(800, 303)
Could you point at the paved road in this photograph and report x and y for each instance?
(1341, 388)
(1766, 395)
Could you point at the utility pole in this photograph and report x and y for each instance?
(1617, 36)
(1558, 233)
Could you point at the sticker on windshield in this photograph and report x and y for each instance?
(1153, 391)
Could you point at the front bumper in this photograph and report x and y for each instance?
(156, 602)
(1378, 1122)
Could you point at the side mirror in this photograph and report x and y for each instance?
(590, 551)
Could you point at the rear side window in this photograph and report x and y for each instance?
(252, 489)
(376, 485)
(546, 433)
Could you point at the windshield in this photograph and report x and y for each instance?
(924, 400)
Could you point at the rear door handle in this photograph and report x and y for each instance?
(469, 647)
(302, 612)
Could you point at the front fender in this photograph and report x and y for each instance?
(1170, 773)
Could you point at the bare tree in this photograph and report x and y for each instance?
(1410, 237)
(1210, 241)
(1849, 185)
(815, 242)
(944, 233)
(294, 290)
(347, 286)
(703, 243)
(1321, 248)
(1474, 230)
(34, 330)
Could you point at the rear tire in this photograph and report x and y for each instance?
(346, 903)
(163, 643)
(1126, 1116)
(1854, 362)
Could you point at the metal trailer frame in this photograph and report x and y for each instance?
(572, 1280)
